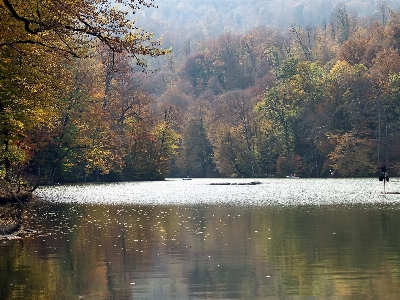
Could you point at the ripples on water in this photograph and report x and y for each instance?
(175, 239)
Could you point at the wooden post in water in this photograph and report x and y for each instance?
(384, 178)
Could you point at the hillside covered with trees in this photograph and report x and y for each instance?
(312, 100)
(75, 104)
(183, 23)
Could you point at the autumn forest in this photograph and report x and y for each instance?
(86, 95)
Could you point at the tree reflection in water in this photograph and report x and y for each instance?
(10, 219)
(213, 251)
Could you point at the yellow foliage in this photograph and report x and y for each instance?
(351, 155)
(73, 27)
(340, 67)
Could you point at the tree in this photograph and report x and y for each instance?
(341, 21)
(237, 108)
(286, 106)
(351, 156)
(196, 152)
(230, 152)
(77, 140)
(28, 93)
(38, 45)
(71, 27)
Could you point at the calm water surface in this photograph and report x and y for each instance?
(281, 239)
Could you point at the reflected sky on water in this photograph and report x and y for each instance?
(281, 239)
(238, 192)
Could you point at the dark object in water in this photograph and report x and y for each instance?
(383, 176)
(237, 183)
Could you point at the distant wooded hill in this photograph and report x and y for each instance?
(313, 100)
(193, 20)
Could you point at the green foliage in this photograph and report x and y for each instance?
(342, 24)
(53, 117)
(196, 152)
(315, 117)
(259, 104)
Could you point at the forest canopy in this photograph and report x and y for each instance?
(311, 100)
(75, 104)
(69, 94)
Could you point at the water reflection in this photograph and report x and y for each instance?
(207, 249)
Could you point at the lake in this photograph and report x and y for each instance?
(205, 239)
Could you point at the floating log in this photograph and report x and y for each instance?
(236, 183)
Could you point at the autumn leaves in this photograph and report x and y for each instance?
(58, 69)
